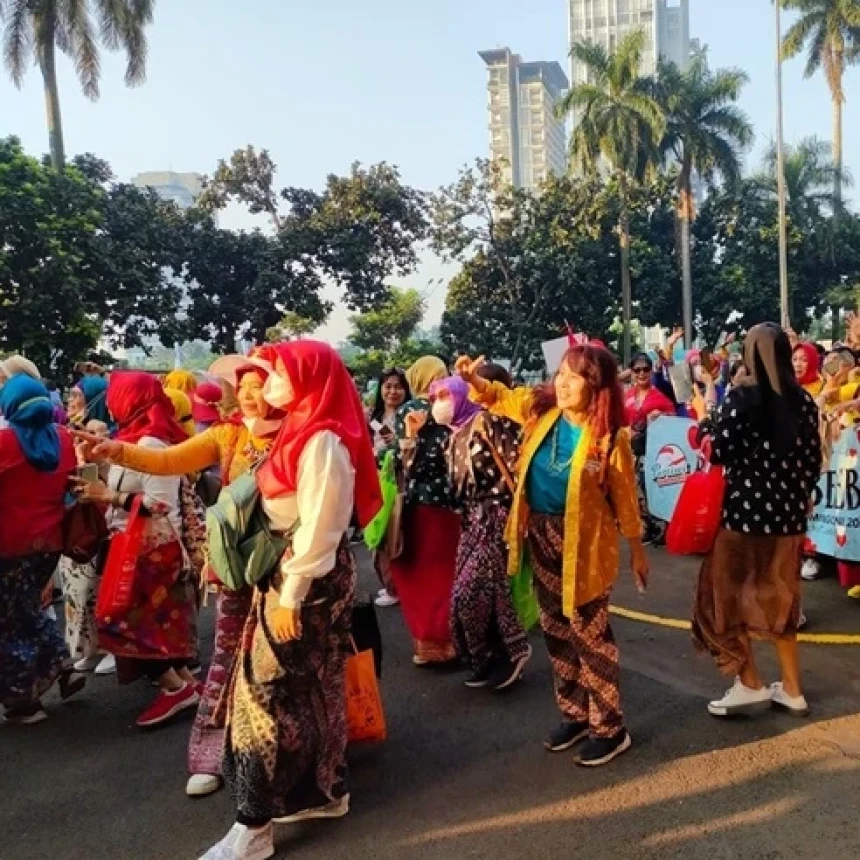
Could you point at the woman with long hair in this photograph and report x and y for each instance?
(482, 458)
(235, 447)
(36, 461)
(392, 391)
(286, 733)
(423, 572)
(766, 437)
(575, 498)
(157, 636)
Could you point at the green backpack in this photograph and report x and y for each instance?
(242, 548)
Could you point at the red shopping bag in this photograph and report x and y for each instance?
(116, 591)
(698, 514)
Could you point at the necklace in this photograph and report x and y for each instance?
(554, 467)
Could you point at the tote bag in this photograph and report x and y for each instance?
(364, 713)
(698, 514)
(116, 592)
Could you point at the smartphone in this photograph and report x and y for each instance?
(89, 472)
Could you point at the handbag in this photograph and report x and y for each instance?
(84, 531)
(208, 487)
(375, 531)
(116, 592)
(698, 514)
(364, 712)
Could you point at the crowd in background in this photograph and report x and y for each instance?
(500, 505)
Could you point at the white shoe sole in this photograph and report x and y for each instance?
(31, 720)
(792, 712)
(519, 668)
(619, 750)
(746, 710)
(566, 746)
(319, 814)
(203, 788)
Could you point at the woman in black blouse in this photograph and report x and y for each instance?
(766, 437)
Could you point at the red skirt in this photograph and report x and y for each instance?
(424, 578)
(849, 574)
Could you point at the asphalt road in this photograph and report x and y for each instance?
(464, 775)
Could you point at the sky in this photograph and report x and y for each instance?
(324, 83)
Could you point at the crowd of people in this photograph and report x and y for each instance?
(495, 483)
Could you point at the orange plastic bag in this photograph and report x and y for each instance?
(698, 514)
(364, 713)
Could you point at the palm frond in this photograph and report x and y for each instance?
(18, 39)
(798, 34)
(82, 46)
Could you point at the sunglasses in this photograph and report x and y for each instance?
(641, 370)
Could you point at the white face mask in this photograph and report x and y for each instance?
(277, 392)
(443, 412)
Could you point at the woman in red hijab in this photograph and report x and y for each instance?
(807, 367)
(285, 756)
(156, 636)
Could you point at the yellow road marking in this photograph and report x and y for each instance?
(680, 624)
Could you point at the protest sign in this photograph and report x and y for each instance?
(671, 456)
(834, 528)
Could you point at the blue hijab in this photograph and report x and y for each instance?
(94, 389)
(29, 412)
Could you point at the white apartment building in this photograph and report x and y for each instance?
(525, 134)
(666, 24)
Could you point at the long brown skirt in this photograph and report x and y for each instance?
(749, 587)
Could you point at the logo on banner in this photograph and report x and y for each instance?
(671, 467)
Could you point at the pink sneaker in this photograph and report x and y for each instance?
(167, 705)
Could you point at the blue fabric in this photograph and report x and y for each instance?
(94, 389)
(546, 491)
(29, 412)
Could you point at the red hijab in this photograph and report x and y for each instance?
(324, 398)
(813, 363)
(140, 408)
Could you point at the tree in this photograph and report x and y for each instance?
(291, 327)
(360, 230)
(37, 28)
(705, 133)
(619, 120)
(390, 325)
(830, 30)
(810, 179)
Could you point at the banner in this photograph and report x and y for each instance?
(834, 528)
(672, 455)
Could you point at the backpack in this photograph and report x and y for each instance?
(242, 548)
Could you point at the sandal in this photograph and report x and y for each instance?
(71, 684)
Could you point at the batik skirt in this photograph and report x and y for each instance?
(286, 723)
(32, 651)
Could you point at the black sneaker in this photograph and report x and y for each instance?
(481, 676)
(598, 751)
(507, 672)
(565, 736)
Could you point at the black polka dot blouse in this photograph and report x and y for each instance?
(766, 493)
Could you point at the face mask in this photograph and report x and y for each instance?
(443, 412)
(277, 391)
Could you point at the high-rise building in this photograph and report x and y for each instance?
(526, 136)
(666, 24)
(181, 188)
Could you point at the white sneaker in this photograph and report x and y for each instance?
(386, 599)
(202, 784)
(244, 843)
(741, 700)
(811, 570)
(797, 706)
(107, 666)
(87, 664)
(51, 613)
(335, 809)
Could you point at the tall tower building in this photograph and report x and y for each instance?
(181, 188)
(666, 24)
(525, 133)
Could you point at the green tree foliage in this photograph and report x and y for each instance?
(360, 230)
(36, 29)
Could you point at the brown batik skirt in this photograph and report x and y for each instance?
(749, 586)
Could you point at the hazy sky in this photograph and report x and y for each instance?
(323, 83)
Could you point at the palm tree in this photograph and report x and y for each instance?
(810, 179)
(831, 31)
(617, 119)
(705, 133)
(35, 29)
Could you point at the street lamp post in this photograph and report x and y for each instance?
(785, 317)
